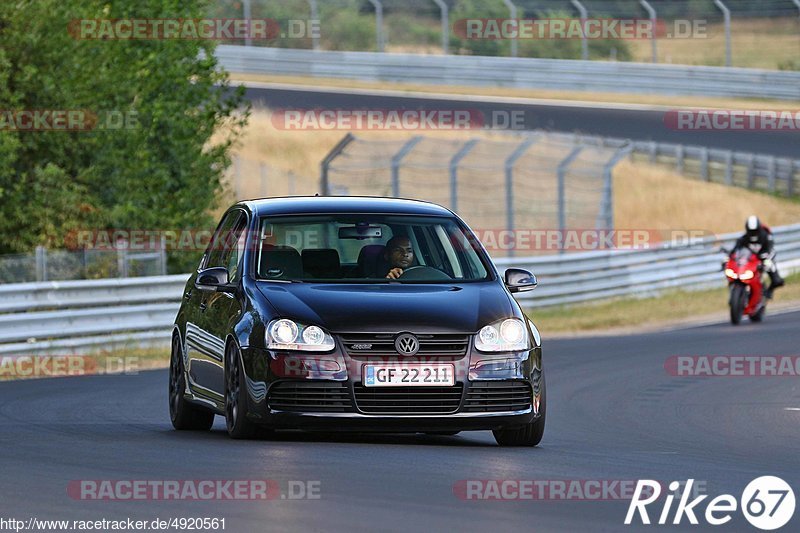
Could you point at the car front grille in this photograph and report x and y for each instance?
(382, 344)
(408, 400)
(310, 396)
(492, 396)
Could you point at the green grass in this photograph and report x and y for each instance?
(670, 307)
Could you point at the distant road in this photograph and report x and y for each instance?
(609, 120)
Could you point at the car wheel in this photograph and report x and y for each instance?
(527, 435)
(239, 427)
(184, 415)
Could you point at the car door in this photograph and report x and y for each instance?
(205, 346)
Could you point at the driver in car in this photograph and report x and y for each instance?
(400, 255)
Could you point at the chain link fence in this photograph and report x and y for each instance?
(537, 180)
(59, 265)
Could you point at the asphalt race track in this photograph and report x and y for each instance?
(627, 122)
(614, 413)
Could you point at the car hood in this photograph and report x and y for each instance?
(391, 307)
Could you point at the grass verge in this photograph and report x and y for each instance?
(628, 315)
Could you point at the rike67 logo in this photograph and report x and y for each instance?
(767, 503)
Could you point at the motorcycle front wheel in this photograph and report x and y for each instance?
(738, 301)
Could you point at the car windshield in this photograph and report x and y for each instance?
(367, 249)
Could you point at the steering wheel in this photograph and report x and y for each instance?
(426, 273)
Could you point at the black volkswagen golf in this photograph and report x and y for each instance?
(357, 314)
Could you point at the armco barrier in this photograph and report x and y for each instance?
(566, 74)
(79, 316)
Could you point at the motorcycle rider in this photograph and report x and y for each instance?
(758, 239)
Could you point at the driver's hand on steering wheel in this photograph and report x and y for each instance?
(394, 273)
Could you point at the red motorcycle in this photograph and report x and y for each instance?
(744, 272)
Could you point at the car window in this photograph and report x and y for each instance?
(224, 251)
(364, 248)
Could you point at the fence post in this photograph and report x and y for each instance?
(751, 171)
(122, 259)
(606, 214)
(454, 162)
(397, 159)
(679, 159)
(512, 159)
(263, 170)
(41, 263)
(162, 256)
(726, 13)
(378, 23)
(562, 198)
(446, 25)
(704, 164)
(654, 21)
(246, 14)
(512, 9)
(584, 14)
(325, 184)
(792, 165)
(772, 172)
(312, 5)
(729, 168)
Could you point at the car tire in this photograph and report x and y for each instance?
(239, 427)
(528, 435)
(183, 414)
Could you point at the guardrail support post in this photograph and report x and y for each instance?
(325, 184)
(653, 151)
(704, 164)
(654, 21)
(454, 162)
(398, 159)
(726, 13)
(512, 159)
(446, 25)
(729, 168)
(584, 14)
(512, 9)
(606, 215)
(378, 23)
(562, 193)
(312, 5)
(679, 159)
(792, 164)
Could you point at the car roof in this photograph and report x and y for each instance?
(307, 205)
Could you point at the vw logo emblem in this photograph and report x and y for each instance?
(406, 344)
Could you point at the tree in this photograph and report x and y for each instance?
(161, 169)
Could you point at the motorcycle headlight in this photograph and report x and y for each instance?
(285, 334)
(747, 275)
(509, 335)
(730, 273)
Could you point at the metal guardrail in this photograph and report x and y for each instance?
(526, 73)
(766, 173)
(79, 316)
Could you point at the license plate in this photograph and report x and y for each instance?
(411, 375)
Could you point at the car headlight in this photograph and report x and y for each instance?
(747, 275)
(285, 334)
(509, 335)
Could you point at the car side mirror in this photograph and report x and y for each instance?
(212, 279)
(518, 280)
